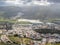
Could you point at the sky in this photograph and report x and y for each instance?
(29, 2)
(55, 1)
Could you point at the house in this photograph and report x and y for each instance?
(5, 39)
(1, 31)
(5, 25)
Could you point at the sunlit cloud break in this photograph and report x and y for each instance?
(42, 2)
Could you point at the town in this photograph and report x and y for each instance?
(29, 32)
(29, 22)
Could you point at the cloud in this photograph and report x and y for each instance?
(27, 2)
(55, 1)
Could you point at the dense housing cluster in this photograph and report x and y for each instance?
(34, 33)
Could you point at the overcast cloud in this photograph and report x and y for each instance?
(55, 1)
(28, 2)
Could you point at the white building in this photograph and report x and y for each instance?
(43, 41)
(5, 39)
(1, 31)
